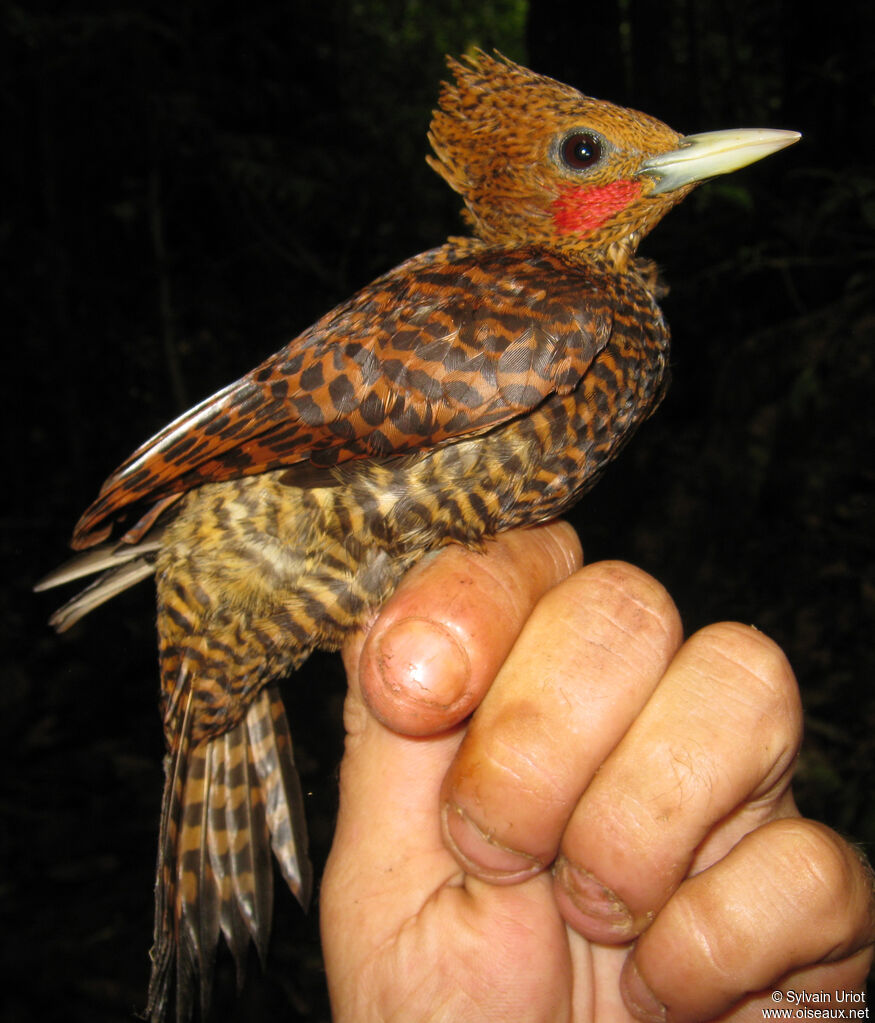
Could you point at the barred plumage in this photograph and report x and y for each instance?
(479, 386)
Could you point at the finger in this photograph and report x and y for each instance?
(586, 662)
(709, 758)
(436, 646)
(789, 895)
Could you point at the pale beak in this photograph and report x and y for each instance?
(713, 152)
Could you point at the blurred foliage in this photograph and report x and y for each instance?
(187, 184)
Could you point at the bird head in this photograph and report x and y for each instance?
(539, 163)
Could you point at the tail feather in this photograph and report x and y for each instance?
(248, 839)
(164, 933)
(197, 904)
(231, 920)
(284, 802)
(228, 802)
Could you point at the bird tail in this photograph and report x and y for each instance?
(227, 803)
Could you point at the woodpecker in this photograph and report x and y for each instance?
(482, 385)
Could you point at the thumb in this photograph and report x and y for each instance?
(430, 656)
(387, 856)
(403, 717)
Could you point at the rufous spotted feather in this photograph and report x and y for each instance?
(482, 385)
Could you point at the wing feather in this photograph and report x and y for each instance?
(444, 346)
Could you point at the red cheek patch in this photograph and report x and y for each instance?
(579, 209)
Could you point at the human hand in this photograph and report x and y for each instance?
(652, 775)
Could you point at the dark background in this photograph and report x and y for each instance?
(185, 186)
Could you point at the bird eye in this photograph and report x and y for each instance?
(581, 150)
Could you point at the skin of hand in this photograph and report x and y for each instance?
(552, 807)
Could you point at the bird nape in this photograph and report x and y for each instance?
(481, 385)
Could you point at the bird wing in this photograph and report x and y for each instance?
(444, 346)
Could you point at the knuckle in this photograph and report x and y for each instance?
(826, 876)
(715, 948)
(820, 862)
(755, 666)
(558, 544)
(518, 758)
(623, 603)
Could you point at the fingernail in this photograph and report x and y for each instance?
(423, 662)
(480, 854)
(598, 913)
(639, 999)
